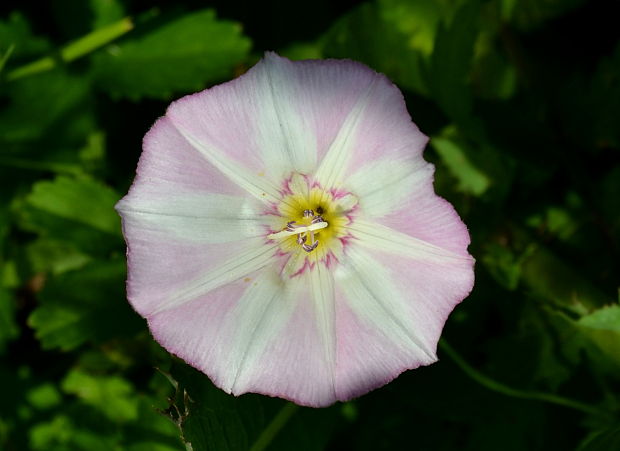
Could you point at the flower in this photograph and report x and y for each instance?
(284, 236)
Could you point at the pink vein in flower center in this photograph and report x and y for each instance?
(311, 223)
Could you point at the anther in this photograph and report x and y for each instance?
(317, 219)
(301, 239)
(310, 247)
(308, 213)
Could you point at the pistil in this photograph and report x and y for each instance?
(305, 233)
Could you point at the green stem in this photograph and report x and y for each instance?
(516, 393)
(272, 429)
(74, 50)
(6, 56)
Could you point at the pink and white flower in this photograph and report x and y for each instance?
(284, 236)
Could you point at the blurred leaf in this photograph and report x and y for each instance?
(44, 396)
(531, 14)
(605, 440)
(395, 37)
(504, 265)
(62, 433)
(451, 62)
(84, 305)
(15, 31)
(471, 179)
(36, 103)
(105, 12)
(111, 395)
(493, 75)
(181, 56)
(79, 212)
(302, 51)
(9, 329)
(54, 256)
(550, 278)
(596, 334)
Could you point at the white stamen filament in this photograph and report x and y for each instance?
(296, 230)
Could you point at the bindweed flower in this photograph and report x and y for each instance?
(284, 236)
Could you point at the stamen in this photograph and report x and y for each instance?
(303, 231)
(292, 229)
(310, 247)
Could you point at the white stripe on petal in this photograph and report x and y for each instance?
(322, 284)
(202, 218)
(257, 186)
(376, 236)
(258, 317)
(283, 133)
(334, 164)
(373, 297)
(256, 255)
(384, 186)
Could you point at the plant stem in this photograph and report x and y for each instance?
(272, 429)
(499, 387)
(74, 50)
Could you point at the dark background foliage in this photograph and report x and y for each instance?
(522, 101)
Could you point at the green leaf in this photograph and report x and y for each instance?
(211, 419)
(113, 396)
(15, 31)
(48, 255)
(85, 201)
(451, 62)
(183, 55)
(79, 212)
(8, 325)
(471, 179)
(84, 305)
(605, 440)
(531, 14)
(395, 37)
(596, 334)
(36, 104)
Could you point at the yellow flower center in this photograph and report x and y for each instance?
(311, 223)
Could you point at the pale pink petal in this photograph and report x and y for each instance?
(391, 310)
(279, 117)
(180, 234)
(259, 335)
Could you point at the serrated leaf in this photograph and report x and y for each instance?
(79, 212)
(86, 201)
(84, 305)
(183, 55)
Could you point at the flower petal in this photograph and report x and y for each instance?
(263, 336)
(179, 233)
(378, 237)
(391, 314)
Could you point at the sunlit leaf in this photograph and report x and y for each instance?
(79, 212)
(182, 55)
